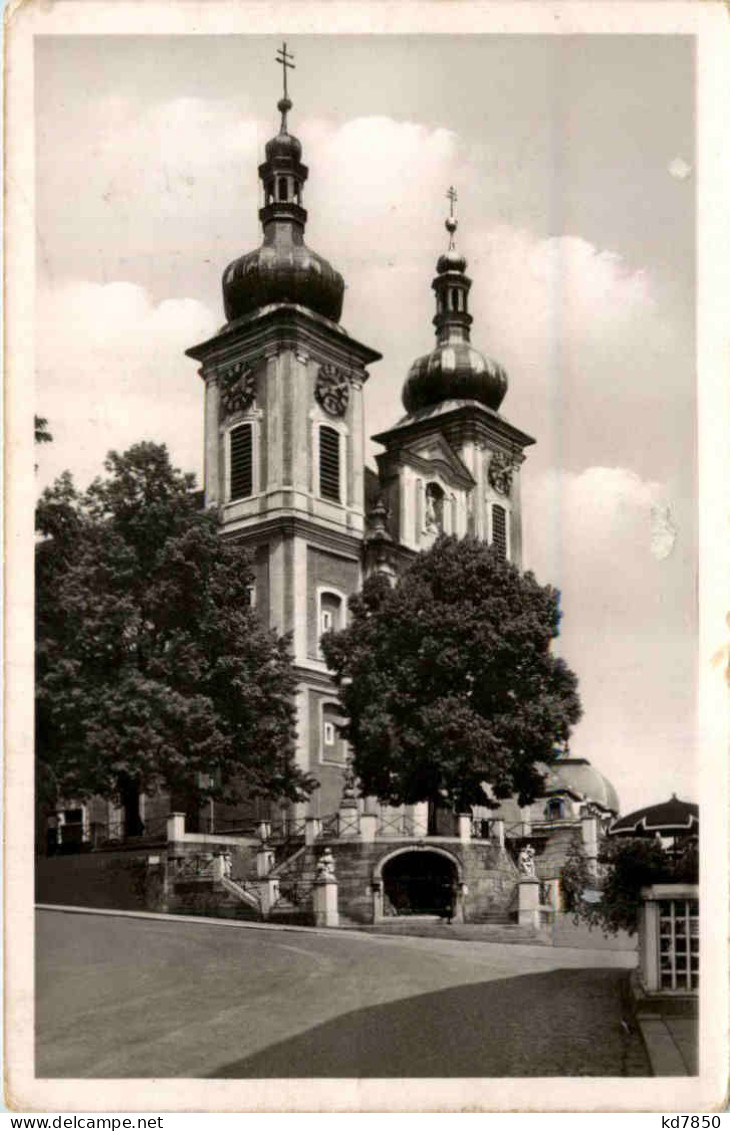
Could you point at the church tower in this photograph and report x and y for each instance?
(451, 465)
(284, 441)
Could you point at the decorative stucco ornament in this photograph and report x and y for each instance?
(332, 390)
(501, 471)
(238, 387)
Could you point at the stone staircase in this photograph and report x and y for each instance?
(295, 878)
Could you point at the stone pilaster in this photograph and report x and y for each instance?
(213, 447)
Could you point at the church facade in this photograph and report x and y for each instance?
(285, 444)
(285, 471)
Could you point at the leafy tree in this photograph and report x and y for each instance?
(152, 669)
(575, 875)
(448, 681)
(626, 865)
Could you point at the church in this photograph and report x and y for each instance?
(284, 468)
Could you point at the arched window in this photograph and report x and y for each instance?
(555, 809)
(331, 607)
(283, 188)
(329, 463)
(333, 748)
(240, 462)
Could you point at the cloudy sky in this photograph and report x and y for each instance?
(574, 162)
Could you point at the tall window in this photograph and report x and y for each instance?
(333, 747)
(499, 529)
(329, 463)
(330, 612)
(241, 461)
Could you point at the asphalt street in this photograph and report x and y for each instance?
(126, 997)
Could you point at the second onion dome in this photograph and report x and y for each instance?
(454, 370)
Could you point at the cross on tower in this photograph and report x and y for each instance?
(285, 59)
(451, 222)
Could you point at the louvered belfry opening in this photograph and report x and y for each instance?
(499, 530)
(241, 461)
(329, 463)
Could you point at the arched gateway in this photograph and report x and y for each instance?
(418, 881)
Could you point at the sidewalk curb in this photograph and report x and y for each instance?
(664, 1055)
(328, 932)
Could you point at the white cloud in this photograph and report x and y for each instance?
(628, 625)
(111, 371)
(170, 196)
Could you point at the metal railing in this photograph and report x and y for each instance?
(400, 824)
(229, 826)
(287, 828)
(336, 825)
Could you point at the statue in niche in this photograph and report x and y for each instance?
(434, 509)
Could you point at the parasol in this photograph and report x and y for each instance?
(671, 818)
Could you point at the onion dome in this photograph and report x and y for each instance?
(454, 370)
(283, 269)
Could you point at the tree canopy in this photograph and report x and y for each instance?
(151, 666)
(625, 866)
(448, 681)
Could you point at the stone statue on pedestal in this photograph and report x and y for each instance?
(526, 862)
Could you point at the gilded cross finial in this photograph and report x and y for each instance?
(286, 61)
(451, 223)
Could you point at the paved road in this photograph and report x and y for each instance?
(124, 997)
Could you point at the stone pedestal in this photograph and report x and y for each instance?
(176, 827)
(326, 913)
(312, 829)
(420, 819)
(498, 831)
(463, 824)
(264, 862)
(589, 831)
(378, 901)
(368, 827)
(348, 823)
(528, 903)
(269, 895)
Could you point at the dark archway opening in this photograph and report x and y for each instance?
(419, 883)
(129, 801)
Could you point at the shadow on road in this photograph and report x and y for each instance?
(561, 1023)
